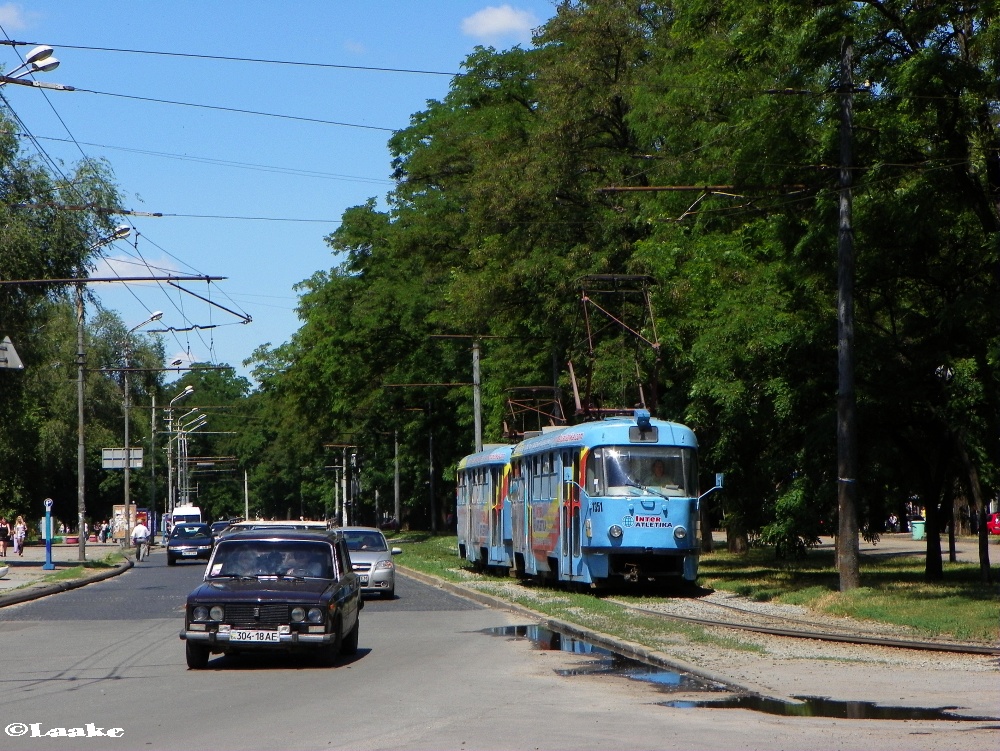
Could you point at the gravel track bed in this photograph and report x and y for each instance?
(750, 649)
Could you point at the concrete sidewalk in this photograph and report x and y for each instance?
(24, 575)
(894, 544)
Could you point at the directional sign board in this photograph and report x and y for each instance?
(8, 355)
(115, 458)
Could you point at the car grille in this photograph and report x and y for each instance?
(361, 568)
(253, 615)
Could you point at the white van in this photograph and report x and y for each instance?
(185, 515)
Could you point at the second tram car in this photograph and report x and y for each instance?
(597, 503)
(483, 509)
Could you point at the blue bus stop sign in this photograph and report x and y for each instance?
(48, 565)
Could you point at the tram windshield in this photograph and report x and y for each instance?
(626, 470)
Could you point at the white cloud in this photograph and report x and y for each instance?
(13, 17)
(500, 22)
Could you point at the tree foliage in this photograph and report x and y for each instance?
(509, 191)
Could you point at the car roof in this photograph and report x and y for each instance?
(359, 529)
(282, 534)
(279, 524)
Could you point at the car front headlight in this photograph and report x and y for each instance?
(199, 613)
(216, 613)
(615, 532)
(298, 614)
(383, 564)
(315, 615)
(680, 533)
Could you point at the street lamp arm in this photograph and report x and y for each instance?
(36, 84)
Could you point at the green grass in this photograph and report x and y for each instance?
(438, 556)
(893, 591)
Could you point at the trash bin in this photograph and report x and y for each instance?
(918, 530)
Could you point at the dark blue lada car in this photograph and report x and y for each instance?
(279, 590)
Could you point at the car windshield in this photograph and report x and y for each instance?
(188, 532)
(279, 558)
(365, 540)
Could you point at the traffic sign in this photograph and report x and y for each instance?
(8, 355)
(115, 458)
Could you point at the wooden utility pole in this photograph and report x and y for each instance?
(847, 452)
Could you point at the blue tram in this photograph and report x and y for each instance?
(603, 502)
(483, 509)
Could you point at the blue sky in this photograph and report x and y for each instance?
(247, 197)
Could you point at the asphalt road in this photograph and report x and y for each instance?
(425, 677)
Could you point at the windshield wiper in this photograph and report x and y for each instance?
(646, 489)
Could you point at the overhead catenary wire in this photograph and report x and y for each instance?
(231, 58)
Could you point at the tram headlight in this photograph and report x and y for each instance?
(615, 532)
(680, 533)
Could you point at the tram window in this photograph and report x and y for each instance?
(514, 490)
(666, 470)
(594, 475)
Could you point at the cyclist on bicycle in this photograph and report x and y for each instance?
(140, 536)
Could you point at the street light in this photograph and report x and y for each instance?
(121, 232)
(128, 400)
(188, 390)
(39, 60)
(197, 421)
(183, 471)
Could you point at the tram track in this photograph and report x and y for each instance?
(745, 619)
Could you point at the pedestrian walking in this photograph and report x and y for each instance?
(20, 534)
(5, 534)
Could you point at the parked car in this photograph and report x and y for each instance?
(993, 524)
(371, 557)
(280, 590)
(189, 542)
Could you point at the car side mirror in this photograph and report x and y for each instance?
(397, 551)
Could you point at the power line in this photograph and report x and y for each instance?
(218, 162)
(228, 58)
(299, 118)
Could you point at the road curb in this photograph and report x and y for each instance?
(36, 591)
(620, 646)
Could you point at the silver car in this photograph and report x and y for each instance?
(371, 558)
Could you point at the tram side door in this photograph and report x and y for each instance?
(570, 518)
(470, 518)
(496, 507)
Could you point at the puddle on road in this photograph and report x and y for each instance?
(606, 662)
(812, 706)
